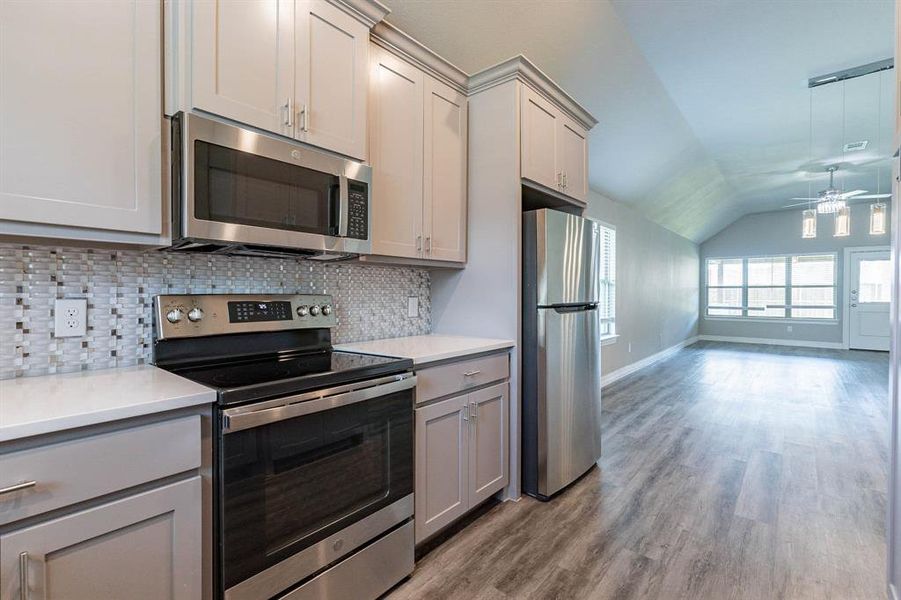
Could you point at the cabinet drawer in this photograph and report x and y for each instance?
(68, 472)
(435, 382)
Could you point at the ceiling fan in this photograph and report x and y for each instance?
(832, 200)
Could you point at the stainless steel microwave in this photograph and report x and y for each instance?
(237, 191)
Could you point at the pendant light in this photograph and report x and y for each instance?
(809, 224)
(877, 218)
(843, 222)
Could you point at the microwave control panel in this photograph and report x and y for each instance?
(357, 210)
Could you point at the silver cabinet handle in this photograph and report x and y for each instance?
(474, 410)
(304, 118)
(23, 576)
(289, 112)
(419, 243)
(560, 180)
(428, 244)
(471, 373)
(564, 180)
(18, 487)
(465, 412)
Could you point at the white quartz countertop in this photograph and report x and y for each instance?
(39, 405)
(427, 348)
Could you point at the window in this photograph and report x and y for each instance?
(607, 305)
(772, 287)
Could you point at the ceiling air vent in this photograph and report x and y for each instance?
(855, 146)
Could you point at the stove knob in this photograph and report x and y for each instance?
(195, 314)
(326, 309)
(314, 310)
(175, 315)
(302, 311)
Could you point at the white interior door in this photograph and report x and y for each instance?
(870, 297)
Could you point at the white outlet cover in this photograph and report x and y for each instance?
(70, 318)
(412, 307)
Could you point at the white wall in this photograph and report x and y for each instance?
(656, 285)
(779, 232)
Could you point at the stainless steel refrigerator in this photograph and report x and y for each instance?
(561, 351)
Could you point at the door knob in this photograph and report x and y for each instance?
(854, 305)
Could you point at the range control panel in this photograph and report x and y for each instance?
(177, 316)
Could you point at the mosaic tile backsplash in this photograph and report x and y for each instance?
(370, 301)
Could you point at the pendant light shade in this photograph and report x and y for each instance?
(877, 218)
(843, 222)
(809, 223)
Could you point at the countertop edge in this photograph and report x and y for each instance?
(421, 360)
(19, 431)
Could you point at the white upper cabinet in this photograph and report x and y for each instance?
(331, 81)
(243, 58)
(554, 147)
(573, 157)
(540, 128)
(444, 177)
(396, 155)
(418, 151)
(80, 116)
(293, 67)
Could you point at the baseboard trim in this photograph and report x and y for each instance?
(772, 342)
(645, 362)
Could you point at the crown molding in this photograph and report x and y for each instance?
(520, 68)
(396, 41)
(369, 12)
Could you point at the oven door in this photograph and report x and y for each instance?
(305, 480)
(236, 186)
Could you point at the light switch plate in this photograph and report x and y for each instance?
(412, 307)
(70, 318)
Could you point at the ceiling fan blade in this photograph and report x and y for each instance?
(798, 204)
(871, 197)
(846, 195)
(811, 199)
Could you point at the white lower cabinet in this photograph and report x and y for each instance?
(142, 546)
(461, 456)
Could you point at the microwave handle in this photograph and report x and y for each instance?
(343, 205)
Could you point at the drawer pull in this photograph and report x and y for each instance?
(471, 373)
(18, 487)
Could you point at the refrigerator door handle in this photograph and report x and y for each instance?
(572, 308)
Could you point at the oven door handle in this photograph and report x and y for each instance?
(247, 417)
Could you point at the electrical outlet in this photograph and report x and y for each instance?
(630, 347)
(70, 318)
(788, 328)
(412, 307)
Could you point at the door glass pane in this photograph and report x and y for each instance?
(760, 298)
(231, 186)
(813, 270)
(875, 280)
(724, 271)
(769, 271)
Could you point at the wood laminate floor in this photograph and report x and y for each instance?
(729, 472)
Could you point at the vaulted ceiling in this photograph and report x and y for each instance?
(704, 110)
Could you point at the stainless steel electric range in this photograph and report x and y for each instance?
(313, 452)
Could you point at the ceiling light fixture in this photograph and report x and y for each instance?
(809, 224)
(842, 222)
(877, 218)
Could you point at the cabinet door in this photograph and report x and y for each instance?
(143, 546)
(332, 60)
(488, 468)
(573, 155)
(539, 131)
(80, 120)
(442, 465)
(395, 152)
(444, 178)
(243, 61)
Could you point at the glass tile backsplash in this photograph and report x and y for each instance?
(370, 301)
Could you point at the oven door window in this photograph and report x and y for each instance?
(289, 484)
(231, 186)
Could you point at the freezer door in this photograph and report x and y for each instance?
(568, 258)
(569, 395)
